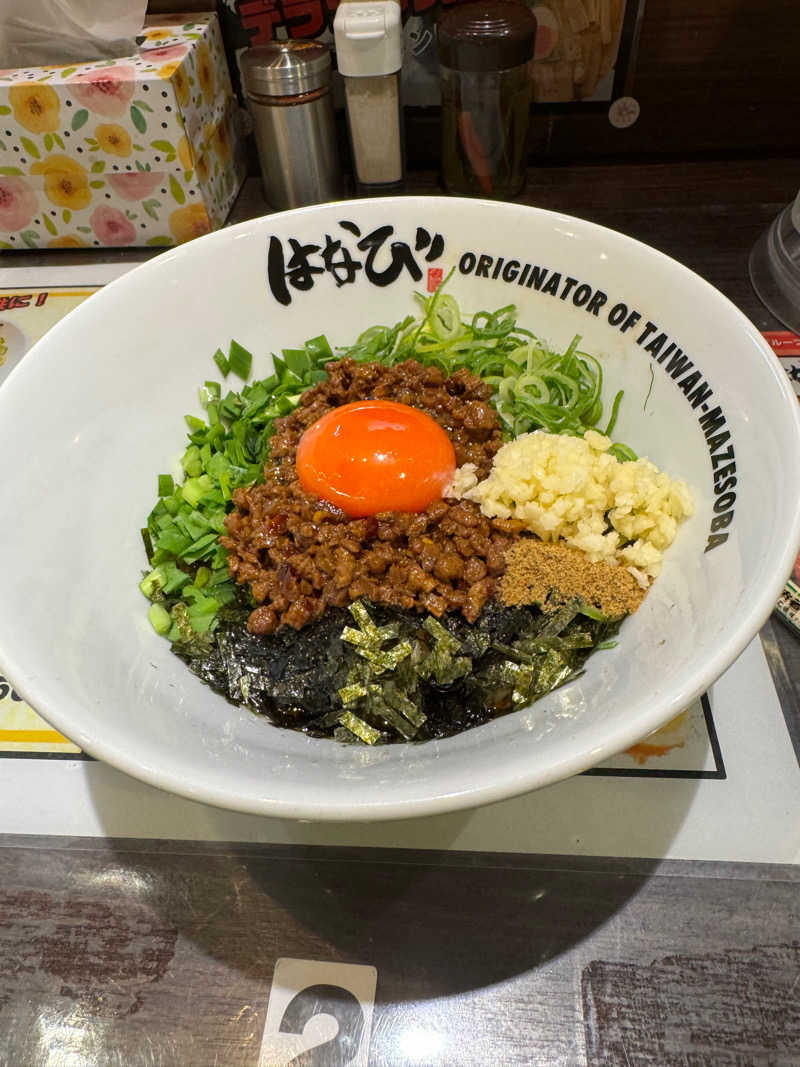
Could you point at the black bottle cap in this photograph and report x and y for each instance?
(484, 36)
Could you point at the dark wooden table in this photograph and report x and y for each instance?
(122, 953)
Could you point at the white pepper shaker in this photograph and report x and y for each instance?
(369, 52)
(287, 85)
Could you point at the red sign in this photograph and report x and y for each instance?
(435, 276)
(784, 342)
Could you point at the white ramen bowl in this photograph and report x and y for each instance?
(95, 411)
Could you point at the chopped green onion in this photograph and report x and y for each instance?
(193, 489)
(147, 540)
(240, 360)
(535, 387)
(622, 453)
(614, 412)
(181, 625)
(222, 363)
(591, 612)
(159, 619)
(297, 361)
(152, 584)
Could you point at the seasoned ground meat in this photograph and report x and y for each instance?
(460, 404)
(300, 554)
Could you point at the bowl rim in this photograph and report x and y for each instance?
(28, 684)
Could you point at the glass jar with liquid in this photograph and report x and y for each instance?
(485, 51)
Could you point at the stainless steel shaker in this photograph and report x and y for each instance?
(287, 84)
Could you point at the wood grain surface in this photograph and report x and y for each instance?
(148, 954)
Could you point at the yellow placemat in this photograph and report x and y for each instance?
(25, 316)
(22, 730)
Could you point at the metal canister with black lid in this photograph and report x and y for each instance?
(287, 84)
(485, 51)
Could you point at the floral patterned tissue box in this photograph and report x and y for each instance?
(134, 151)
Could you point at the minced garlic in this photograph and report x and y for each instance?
(571, 488)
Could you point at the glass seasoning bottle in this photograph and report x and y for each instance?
(287, 85)
(369, 53)
(485, 49)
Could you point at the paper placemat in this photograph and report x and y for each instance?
(721, 781)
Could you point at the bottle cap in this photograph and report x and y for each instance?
(369, 38)
(484, 36)
(285, 68)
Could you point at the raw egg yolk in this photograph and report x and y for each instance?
(376, 455)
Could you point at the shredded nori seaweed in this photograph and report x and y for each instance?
(290, 676)
(396, 676)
